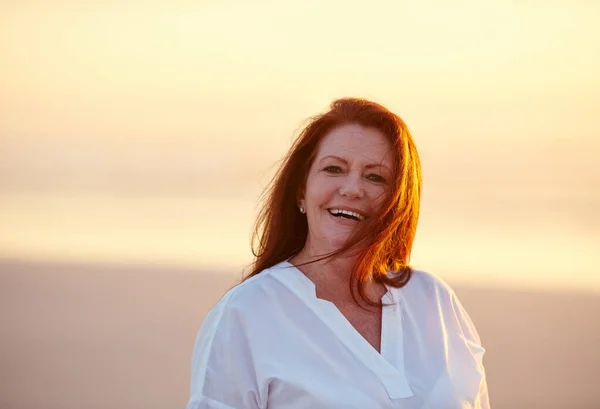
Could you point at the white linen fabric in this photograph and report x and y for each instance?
(271, 343)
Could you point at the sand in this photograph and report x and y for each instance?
(107, 336)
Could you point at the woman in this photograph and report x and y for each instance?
(332, 315)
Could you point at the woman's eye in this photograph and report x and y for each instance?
(376, 178)
(333, 169)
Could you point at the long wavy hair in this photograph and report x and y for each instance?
(384, 242)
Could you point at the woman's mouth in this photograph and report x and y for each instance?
(346, 214)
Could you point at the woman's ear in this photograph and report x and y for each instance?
(300, 201)
(302, 207)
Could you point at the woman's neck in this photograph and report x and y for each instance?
(331, 276)
(336, 270)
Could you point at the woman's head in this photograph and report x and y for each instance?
(346, 186)
(356, 157)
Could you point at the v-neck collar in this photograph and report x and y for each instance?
(388, 364)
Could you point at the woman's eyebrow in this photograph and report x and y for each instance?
(369, 166)
(334, 157)
(377, 165)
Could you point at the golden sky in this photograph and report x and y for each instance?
(502, 98)
(153, 67)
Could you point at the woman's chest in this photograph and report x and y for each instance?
(366, 323)
(335, 356)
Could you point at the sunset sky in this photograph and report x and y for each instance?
(144, 131)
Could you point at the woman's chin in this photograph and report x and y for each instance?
(329, 244)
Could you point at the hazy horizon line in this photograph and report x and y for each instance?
(169, 268)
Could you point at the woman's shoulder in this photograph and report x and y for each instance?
(426, 283)
(431, 292)
(249, 293)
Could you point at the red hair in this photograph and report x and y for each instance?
(385, 242)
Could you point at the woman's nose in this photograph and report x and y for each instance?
(352, 187)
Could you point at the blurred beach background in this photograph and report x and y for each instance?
(136, 138)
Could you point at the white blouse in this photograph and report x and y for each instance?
(271, 343)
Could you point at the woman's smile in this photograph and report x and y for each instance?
(347, 214)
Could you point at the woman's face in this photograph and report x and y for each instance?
(347, 183)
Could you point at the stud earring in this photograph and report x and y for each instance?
(301, 209)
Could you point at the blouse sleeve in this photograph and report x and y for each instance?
(223, 370)
(472, 339)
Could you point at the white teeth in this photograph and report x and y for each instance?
(348, 212)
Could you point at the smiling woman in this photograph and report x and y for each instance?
(344, 187)
(339, 221)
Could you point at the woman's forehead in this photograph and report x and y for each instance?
(354, 142)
